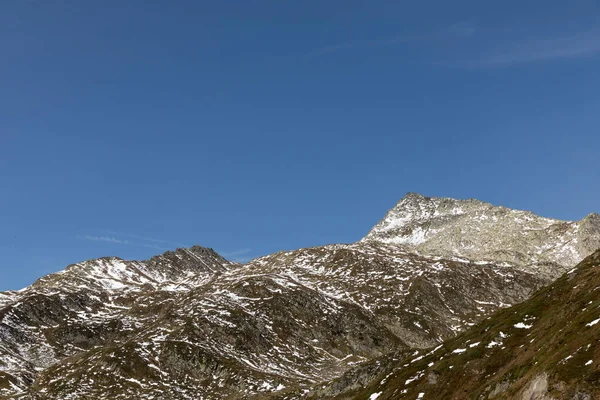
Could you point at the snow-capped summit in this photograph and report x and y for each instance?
(481, 231)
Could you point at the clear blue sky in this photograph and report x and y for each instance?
(132, 127)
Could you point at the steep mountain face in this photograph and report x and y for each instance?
(480, 231)
(421, 299)
(546, 348)
(189, 324)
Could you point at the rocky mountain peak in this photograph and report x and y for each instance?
(172, 270)
(415, 206)
(592, 218)
(187, 261)
(481, 231)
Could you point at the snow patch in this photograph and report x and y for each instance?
(521, 325)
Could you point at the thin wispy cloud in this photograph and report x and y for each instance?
(482, 48)
(142, 238)
(527, 51)
(108, 239)
(334, 48)
(364, 43)
(237, 252)
(241, 255)
(123, 241)
(459, 29)
(462, 28)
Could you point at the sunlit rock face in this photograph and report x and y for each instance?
(480, 231)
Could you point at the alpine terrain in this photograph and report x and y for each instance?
(545, 348)
(402, 313)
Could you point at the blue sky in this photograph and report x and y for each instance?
(132, 127)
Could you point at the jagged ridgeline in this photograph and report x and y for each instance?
(189, 324)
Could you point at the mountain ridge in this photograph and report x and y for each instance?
(482, 231)
(196, 325)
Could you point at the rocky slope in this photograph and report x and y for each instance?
(90, 304)
(189, 324)
(481, 231)
(545, 348)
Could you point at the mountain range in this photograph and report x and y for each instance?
(435, 276)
